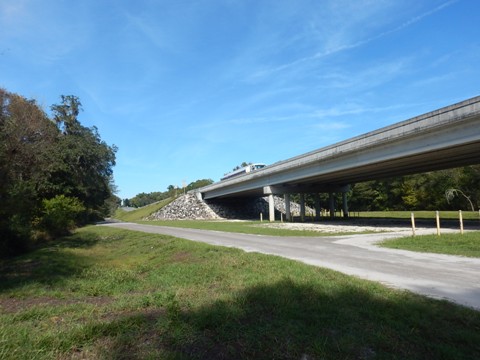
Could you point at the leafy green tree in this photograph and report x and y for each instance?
(66, 115)
(198, 184)
(364, 196)
(27, 137)
(84, 163)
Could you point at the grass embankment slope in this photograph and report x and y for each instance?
(141, 213)
(115, 294)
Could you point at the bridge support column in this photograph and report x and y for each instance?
(317, 207)
(288, 215)
(302, 207)
(345, 205)
(331, 204)
(271, 207)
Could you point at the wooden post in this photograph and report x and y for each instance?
(412, 216)
(261, 217)
(281, 217)
(437, 217)
(460, 217)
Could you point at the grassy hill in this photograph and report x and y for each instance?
(141, 213)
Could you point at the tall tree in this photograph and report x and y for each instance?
(26, 139)
(84, 165)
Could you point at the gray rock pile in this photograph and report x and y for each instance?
(188, 207)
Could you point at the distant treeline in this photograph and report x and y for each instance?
(452, 189)
(144, 199)
(54, 172)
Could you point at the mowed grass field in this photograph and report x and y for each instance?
(106, 293)
(421, 214)
(467, 244)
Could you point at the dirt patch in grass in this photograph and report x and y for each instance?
(13, 305)
(182, 257)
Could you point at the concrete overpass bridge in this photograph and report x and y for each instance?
(445, 138)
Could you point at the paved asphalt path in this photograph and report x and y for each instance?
(440, 276)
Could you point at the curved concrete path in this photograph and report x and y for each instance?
(448, 277)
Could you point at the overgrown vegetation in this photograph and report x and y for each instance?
(115, 294)
(54, 172)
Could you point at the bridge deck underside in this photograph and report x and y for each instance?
(462, 155)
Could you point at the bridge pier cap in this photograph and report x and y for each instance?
(307, 189)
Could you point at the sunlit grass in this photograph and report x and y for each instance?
(141, 213)
(467, 244)
(419, 214)
(109, 293)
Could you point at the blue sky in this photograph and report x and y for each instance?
(188, 89)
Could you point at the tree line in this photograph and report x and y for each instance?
(451, 189)
(144, 199)
(55, 173)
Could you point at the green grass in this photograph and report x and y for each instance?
(114, 294)
(467, 244)
(252, 227)
(141, 213)
(430, 215)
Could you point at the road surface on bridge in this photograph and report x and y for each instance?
(439, 276)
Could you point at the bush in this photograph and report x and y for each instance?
(60, 214)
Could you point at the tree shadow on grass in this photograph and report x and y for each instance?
(288, 320)
(48, 264)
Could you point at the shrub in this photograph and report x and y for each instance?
(60, 214)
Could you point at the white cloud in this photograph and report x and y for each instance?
(347, 25)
